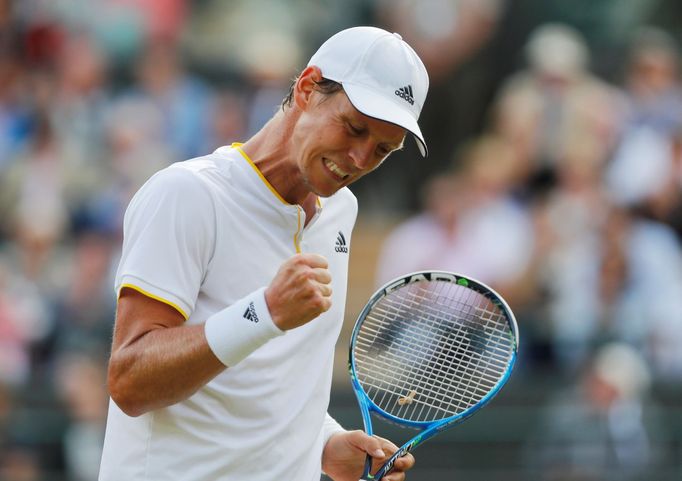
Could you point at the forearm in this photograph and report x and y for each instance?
(160, 368)
(158, 360)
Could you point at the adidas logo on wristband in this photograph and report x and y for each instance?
(250, 313)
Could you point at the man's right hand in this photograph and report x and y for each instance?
(300, 291)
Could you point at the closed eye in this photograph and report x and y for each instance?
(386, 151)
(355, 130)
(383, 152)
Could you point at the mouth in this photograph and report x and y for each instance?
(338, 172)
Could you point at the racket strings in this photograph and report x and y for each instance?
(466, 306)
(458, 333)
(428, 380)
(496, 350)
(440, 352)
(425, 353)
(425, 381)
(491, 325)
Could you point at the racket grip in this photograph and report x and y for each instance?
(368, 466)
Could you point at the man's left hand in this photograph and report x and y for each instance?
(343, 458)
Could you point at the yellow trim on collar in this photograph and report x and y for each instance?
(155, 297)
(237, 146)
(297, 246)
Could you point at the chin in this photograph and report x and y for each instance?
(322, 189)
(327, 192)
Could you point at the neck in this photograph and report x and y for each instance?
(270, 150)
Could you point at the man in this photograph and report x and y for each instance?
(232, 284)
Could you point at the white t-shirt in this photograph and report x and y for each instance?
(200, 235)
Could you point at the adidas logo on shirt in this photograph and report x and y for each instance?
(250, 313)
(406, 93)
(341, 243)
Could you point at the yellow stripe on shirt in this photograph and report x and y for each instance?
(260, 174)
(155, 297)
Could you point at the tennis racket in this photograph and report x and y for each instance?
(427, 351)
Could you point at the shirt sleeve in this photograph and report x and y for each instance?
(168, 239)
(331, 426)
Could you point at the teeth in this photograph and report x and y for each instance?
(335, 168)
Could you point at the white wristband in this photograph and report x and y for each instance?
(238, 330)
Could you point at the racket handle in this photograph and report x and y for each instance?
(368, 466)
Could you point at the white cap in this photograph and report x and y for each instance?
(381, 74)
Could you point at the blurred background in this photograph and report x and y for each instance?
(555, 175)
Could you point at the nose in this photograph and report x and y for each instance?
(362, 155)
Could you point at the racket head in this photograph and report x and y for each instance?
(431, 347)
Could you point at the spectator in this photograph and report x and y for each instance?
(569, 219)
(647, 308)
(602, 428)
(554, 100)
(652, 84)
(80, 383)
(15, 120)
(77, 109)
(19, 464)
(25, 322)
(472, 224)
(182, 100)
(644, 163)
(85, 307)
(420, 241)
(135, 149)
(229, 118)
(34, 196)
(448, 35)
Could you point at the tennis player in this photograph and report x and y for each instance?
(232, 284)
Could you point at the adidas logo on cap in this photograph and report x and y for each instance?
(406, 93)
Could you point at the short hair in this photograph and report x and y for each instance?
(324, 86)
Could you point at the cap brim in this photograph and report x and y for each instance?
(376, 106)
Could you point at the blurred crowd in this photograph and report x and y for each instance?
(570, 204)
(568, 199)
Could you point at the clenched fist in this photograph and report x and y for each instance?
(300, 291)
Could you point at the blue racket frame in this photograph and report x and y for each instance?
(428, 429)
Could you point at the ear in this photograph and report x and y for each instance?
(305, 86)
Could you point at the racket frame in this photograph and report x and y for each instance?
(428, 428)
